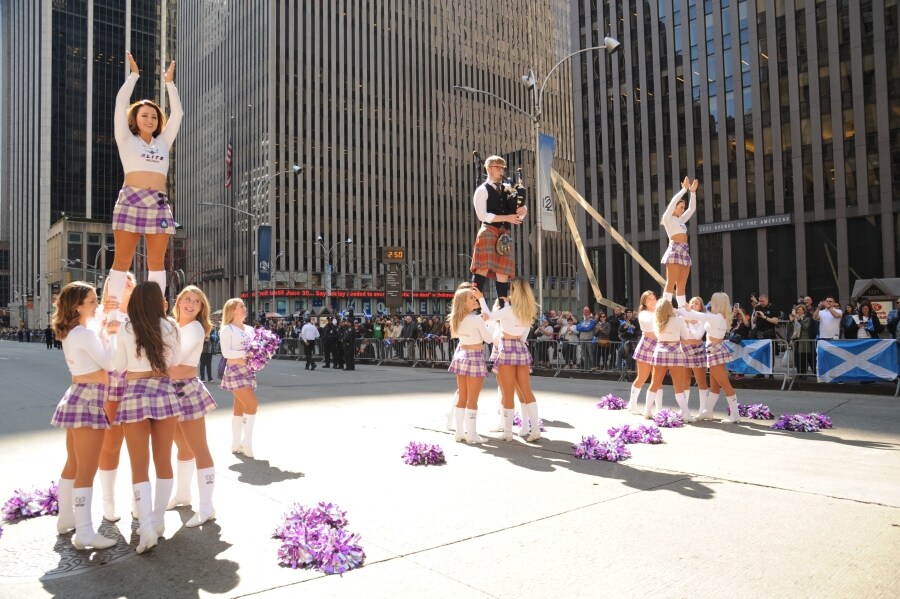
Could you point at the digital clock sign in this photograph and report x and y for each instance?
(393, 255)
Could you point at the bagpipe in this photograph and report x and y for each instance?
(514, 198)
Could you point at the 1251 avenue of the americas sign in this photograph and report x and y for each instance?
(745, 223)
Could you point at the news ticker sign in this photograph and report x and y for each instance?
(755, 222)
(343, 293)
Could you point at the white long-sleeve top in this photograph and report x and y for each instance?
(646, 318)
(231, 339)
(676, 224)
(675, 330)
(136, 156)
(192, 338)
(715, 325)
(125, 357)
(86, 352)
(696, 330)
(509, 324)
(474, 330)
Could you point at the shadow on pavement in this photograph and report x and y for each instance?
(758, 428)
(260, 473)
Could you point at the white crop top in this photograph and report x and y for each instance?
(696, 330)
(474, 330)
(646, 318)
(676, 224)
(675, 330)
(85, 352)
(231, 339)
(713, 322)
(136, 156)
(192, 338)
(125, 356)
(509, 324)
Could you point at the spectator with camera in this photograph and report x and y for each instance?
(585, 328)
(764, 318)
(629, 333)
(865, 323)
(828, 315)
(799, 330)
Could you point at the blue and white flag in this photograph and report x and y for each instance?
(856, 360)
(750, 357)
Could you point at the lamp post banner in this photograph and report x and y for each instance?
(264, 252)
(546, 147)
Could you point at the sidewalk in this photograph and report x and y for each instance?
(739, 508)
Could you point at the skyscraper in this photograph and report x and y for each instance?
(787, 111)
(360, 95)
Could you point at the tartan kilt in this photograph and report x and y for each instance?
(644, 350)
(153, 398)
(677, 253)
(485, 256)
(512, 352)
(82, 407)
(238, 377)
(116, 385)
(468, 362)
(194, 397)
(668, 353)
(140, 210)
(717, 353)
(694, 355)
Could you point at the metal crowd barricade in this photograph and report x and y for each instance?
(434, 351)
(290, 349)
(544, 354)
(365, 350)
(802, 361)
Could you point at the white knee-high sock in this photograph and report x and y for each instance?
(459, 418)
(116, 288)
(65, 520)
(667, 295)
(108, 488)
(237, 425)
(648, 407)
(633, 399)
(682, 301)
(247, 443)
(184, 472)
(206, 483)
(161, 501)
(158, 277)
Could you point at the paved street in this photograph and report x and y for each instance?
(736, 509)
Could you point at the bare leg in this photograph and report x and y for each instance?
(137, 438)
(162, 433)
(88, 442)
(126, 244)
(193, 433)
(157, 244)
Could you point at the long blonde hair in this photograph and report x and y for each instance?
(644, 297)
(700, 301)
(524, 306)
(720, 304)
(202, 315)
(228, 311)
(458, 309)
(664, 311)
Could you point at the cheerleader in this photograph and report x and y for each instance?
(115, 436)
(238, 378)
(80, 411)
(644, 352)
(513, 363)
(468, 359)
(717, 355)
(677, 258)
(145, 347)
(192, 314)
(668, 356)
(695, 353)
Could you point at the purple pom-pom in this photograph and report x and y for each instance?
(517, 421)
(668, 419)
(416, 454)
(756, 411)
(48, 500)
(639, 434)
(803, 423)
(316, 538)
(823, 420)
(611, 402)
(260, 346)
(21, 505)
(612, 449)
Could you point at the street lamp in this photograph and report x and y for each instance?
(274, 270)
(611, 45)
(254, 228)
(328, 264)
(575, 274)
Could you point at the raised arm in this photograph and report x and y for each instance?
(692, 204)
(123, 98)
(670, 209)
(176, 113)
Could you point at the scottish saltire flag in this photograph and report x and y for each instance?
(856, 360)
(750, 357)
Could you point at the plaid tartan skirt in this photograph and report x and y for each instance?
(677, 253)
(644, 350)
(717, 353)
(195, 398)
(512, 352)
(238, 377)
(116, 385)
(140, 210)
(144, 399)
(694, 355)
(485, 256)
(668, 353)
(82, 407)
(468, 362)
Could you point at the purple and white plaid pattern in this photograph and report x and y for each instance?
(644, 350)
(116, 385)
(694, 355)
(195, 398)
(143, 211)
(238, 377)
(82, 407)
(677, 253)
(667, 353)
(152, 398)
(512, 352)
(717, 353)
(468, 362)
